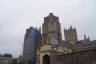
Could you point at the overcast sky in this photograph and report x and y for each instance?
(18, 15)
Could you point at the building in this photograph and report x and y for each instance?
(5, 60)
(51, 39)
(30, 44)
(51, 29)
(51, 49)
(70, 35)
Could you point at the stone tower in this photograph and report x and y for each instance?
(51, 29)
(51, 47)
(31, 43)
(70, 34)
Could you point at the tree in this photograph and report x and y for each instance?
(8, 55)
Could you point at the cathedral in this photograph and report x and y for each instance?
(49, 48)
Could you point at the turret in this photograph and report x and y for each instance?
(70, 34)
(86, 39)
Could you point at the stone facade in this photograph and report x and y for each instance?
(51, 49)
(51, 29)
(71, 35)
(51, 53)
(65, 52)
(56, 56)
(81, 57)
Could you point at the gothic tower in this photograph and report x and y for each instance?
(51, 29)
(31, 43)
(70, 34)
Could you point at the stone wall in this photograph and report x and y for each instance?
(82, 57)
